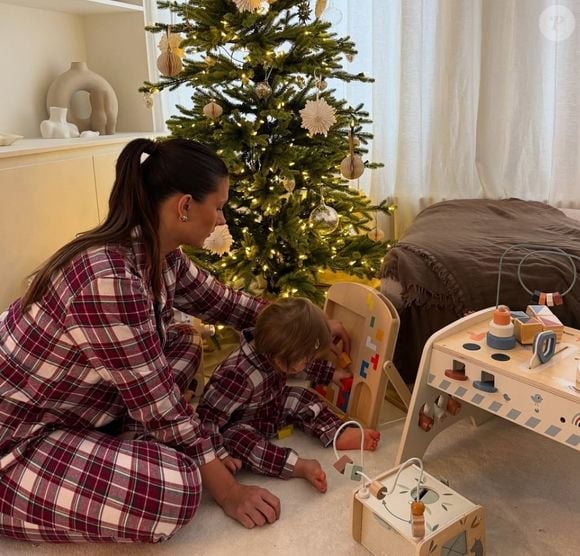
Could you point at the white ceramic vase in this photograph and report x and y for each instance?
(102, 98)
(56, 127)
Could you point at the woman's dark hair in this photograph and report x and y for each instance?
(172, 166)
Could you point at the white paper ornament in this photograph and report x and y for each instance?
(318, 116)
(352, 167)
(220, 241)
(171, 41)
(247, 5)
(169, 64)
(212, 110)
(325, 218)
(263, 89)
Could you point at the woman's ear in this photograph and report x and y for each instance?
(183, 206)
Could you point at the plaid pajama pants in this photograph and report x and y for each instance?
(90, 486)
(303, 409)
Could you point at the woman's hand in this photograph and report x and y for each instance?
(251, 505)
(339, 334)
(233, 465)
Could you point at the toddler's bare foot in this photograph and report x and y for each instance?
(349, 439)
(311, 470)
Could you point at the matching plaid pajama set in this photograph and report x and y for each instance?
(247, 401)
(96, 440)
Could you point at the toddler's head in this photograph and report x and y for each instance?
(292, 332)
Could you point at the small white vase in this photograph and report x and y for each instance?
(56, 127)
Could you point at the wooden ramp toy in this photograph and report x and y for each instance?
(373, 325)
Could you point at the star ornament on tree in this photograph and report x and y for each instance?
(318, 116)
(219, 241)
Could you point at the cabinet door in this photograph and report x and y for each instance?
(42, 207)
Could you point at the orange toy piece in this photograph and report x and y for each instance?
(343, 360)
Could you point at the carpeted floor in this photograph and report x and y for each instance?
(527, 484)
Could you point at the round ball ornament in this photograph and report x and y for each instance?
(352, 167)
(263, 89)
(376, 234)
(169, 63)
(212, 110)
(325, 219)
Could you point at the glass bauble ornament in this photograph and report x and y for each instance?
(324, 218)
(263, 89)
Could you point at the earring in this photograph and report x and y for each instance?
(184, 218)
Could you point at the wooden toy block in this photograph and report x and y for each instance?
(453, 524)
(286, 431)
(340, 464)
(343, 360)
(549, 321)
(526, 328)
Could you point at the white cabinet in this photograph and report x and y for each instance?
(50, 190)
(40, 38)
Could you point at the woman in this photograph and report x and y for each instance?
(97, 442)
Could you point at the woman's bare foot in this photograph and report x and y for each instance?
(310, 470)
(349, 439)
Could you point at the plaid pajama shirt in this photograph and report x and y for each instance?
(246, 402)
(98, 353)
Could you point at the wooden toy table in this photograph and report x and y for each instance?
(543, 399)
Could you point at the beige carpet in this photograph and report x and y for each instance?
(527, 484)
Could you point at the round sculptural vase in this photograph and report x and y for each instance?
(102, 98)
(57, 127)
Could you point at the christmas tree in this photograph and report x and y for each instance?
(258, 72)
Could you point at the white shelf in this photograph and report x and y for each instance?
(24, 147)
(80, 7)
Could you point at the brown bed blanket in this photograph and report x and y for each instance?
(447, 264)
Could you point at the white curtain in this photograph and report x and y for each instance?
(472, 98)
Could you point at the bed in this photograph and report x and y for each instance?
(446, 265)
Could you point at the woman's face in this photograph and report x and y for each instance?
(205, 216)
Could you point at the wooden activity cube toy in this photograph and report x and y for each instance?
(373, 324)
(453, 525)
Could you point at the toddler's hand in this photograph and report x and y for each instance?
(340, 374)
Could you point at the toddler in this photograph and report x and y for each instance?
(247, 400)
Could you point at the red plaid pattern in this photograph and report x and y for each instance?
(247, 401)
(94, 350)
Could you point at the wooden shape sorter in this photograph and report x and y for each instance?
(453, 525)
(373, 325)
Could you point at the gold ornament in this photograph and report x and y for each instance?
(148, 100)
(212, 110)
(318, 116)
(320, 7)
(219, 241)
(169, 64)
(350, 57)
(324, 218)
(321, 84)
(376, 235)
(352, 167)
(263, 89)
(171, 41)
(289, 184)
(247, 5)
